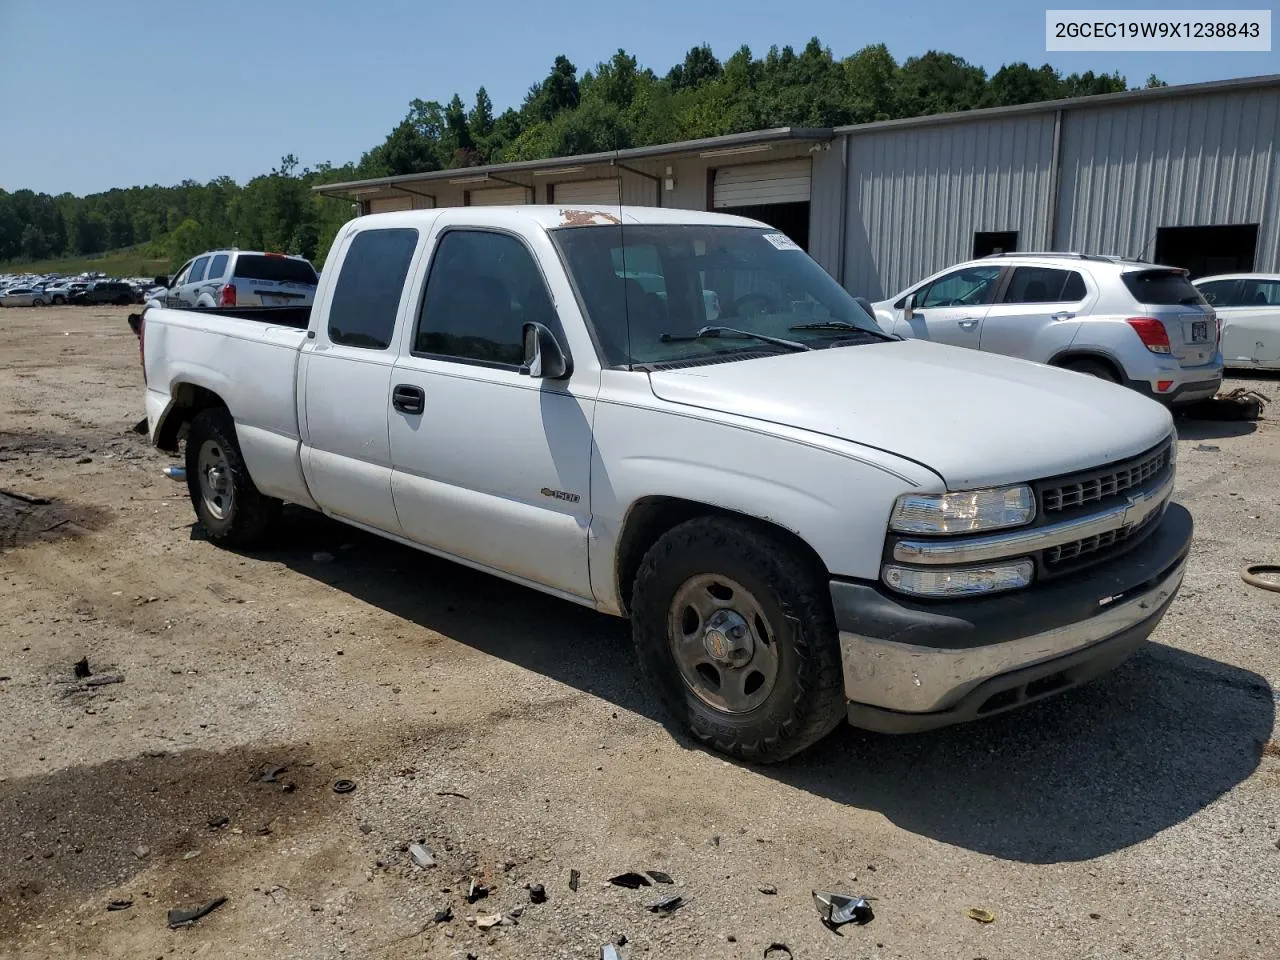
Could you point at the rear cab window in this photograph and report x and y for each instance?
(1162, 288)
(366, 297)
(258, 266)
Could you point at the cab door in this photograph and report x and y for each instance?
(1037, 314)
(951, 309)
(345, 378)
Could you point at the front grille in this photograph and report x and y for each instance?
(1069, 551)
(1097, 485)
(1077, 553)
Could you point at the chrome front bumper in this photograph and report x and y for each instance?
(906, 678)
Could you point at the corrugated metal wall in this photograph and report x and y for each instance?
(1200, 161)
(917, 195)
(826, 215)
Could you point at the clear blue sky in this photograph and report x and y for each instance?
(97, 94)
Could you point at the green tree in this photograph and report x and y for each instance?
(35, 246)
(1153, 81)
(700, 66)
(871, 80)
(185, 242)
(939, 83)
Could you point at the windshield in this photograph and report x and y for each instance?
(649, 299)
(253, 266)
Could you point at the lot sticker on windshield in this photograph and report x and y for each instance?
(781, 241)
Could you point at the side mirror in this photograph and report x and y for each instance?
(909, 308)
(543, 357)
(160, 281)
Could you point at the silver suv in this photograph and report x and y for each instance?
(1127, 321)
(239, 278)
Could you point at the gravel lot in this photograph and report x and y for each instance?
(1137, 817)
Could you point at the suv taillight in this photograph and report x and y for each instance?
(1151, 332)
(228, 295)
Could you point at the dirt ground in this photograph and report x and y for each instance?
(507, 732)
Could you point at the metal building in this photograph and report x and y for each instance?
(1185, 175)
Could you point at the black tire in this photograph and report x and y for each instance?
(59, 301)
(37, 302)
(1094, 368)
(246, 515)
(806, 701)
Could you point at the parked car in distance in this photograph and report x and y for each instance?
(1248, 307)
(244, 278)
(62, 291)
(22, 297)
(1127, 321)
(103, 291)
(805, 519)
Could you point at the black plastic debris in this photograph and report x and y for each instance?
(665, 905)
(184, 918)
(443, 916)
(775, 951)
(271, 773)
(632, 881)
(452, 793)
(82, 668)
(837, 909)
(343, 786)
(574, 877)
(117, 905)
(219, 821)
(476, 891)
(537, 893)
(659, 876)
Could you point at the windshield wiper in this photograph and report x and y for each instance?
(843, 325)
(708, 332)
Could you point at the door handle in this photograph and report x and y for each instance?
(1062, 315)
(967, 323)
(408, 399)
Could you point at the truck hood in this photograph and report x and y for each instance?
(975, 419)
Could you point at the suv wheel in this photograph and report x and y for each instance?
(733, 626)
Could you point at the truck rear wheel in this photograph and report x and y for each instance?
(230, 508)
(733, 626)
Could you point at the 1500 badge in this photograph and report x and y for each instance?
(560, 495)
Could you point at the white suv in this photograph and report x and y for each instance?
(240, 278)
(1127, 321)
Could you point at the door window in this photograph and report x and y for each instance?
(1260, 293)
(217, 267)
(483, 288)
(1221, 293)
(197, 270)
(969, 287)
(367, 294)
(1044, 285)
(181, 276)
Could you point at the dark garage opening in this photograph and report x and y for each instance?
(995, 241)
(791, 218)
(1207, 251)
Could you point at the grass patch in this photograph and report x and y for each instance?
(135, 262)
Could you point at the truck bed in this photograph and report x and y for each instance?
(296, 317)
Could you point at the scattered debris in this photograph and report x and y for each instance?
(82, 668)
(488, 922)
(452, 793)
(537, 893)
(665, 905)
(219, 821)
(1207, 447)
(141, 851)
(191, 855)
(422, 856)
(343, 786)
(574, 877)
(117, 905)
(768, 890)
(837, 909)
(141, 601)
(443, 916)
(476, 891)
(184, 918)
(659, 876)
(1253, 575)
(609, 952)
(270, 774)
(1238, 404)
(322, 557)
(982, 916)
(632, 881)
(104, 679)
(777, 950)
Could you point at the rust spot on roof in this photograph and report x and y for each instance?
(586, 218)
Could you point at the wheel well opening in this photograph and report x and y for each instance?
(650, 518)
(1101, 360)
(189, 399)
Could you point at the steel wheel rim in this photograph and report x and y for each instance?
(722, 643)
(215, 479)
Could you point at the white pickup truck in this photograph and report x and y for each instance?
(805, 519)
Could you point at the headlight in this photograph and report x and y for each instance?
(963, 582)
(966, 511)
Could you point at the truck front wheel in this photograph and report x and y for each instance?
(733, 626)
(230, 508)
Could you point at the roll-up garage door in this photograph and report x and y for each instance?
(760, 184)
(388, 204)
(586, 191)
(496, 196)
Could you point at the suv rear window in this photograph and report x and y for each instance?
(1161, 287)
(255, 266)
